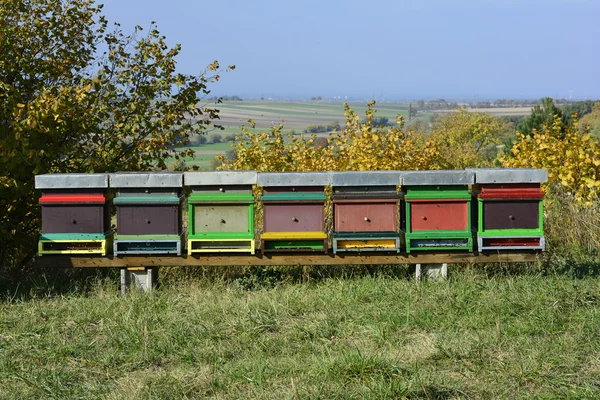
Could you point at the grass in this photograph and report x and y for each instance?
(363, 336)
(212, 147)
(202, 161)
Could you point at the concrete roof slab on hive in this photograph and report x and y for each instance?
(278, 179)
(71, 181)
(510, 175)
(146, 180)
(211, 178)
(429, 178)
(367, 178)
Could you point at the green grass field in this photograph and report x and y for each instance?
(368, 336)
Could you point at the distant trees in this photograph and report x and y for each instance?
(541, 115)
(215, 138)
(198, 140)
(333, 126)
(412, 112)
(378, 121)
(440, 104)
(227, 98)
(318, 98)
(582, 108)
(500, 103)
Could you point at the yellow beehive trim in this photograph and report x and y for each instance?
(358, 244)
(101, 250)
(250, 249)
(293, 235)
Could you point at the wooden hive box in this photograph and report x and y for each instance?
(75, 213)
(148, 212)
(220, 211)
(510, 209)
(438, 210)
(365, 211)
(294, 211)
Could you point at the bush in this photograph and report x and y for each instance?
(571, 157)
(215, 139)
(228, 138)
(198, 140)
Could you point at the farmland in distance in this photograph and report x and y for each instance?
(296, 116)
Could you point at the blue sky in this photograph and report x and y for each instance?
(383, 49)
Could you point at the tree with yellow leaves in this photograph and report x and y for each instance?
(571, 157)
(358, 146)
(66, 107)
(467, 139)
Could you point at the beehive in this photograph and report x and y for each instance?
(510, 209)
(365, 211)
(148, 212)
(220, 211)
(75, 213)
(294, 211)
(438, 210)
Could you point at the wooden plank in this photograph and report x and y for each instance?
(280, 259)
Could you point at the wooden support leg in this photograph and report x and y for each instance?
(125, 281)
(431, 272)
(140, 278)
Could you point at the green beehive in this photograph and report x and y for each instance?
(438, 210)
(510, 209)
(220, 211)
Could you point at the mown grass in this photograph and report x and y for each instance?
(364, 336)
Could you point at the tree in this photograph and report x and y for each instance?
(67, 107)
(467, 139)
(412, 113)
(571, 157)
(591, 122)
(377, 121)
(541, 114)
(582, 108)
(215, 139)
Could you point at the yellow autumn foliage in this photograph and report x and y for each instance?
(467, 139)
(572, 158)
(358, 146)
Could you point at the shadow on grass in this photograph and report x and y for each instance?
(581, 270)
(257, 277)
(51, 282)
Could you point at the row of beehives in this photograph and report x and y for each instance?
(432, 211)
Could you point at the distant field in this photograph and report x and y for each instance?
(298, 115)
(498, 112)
